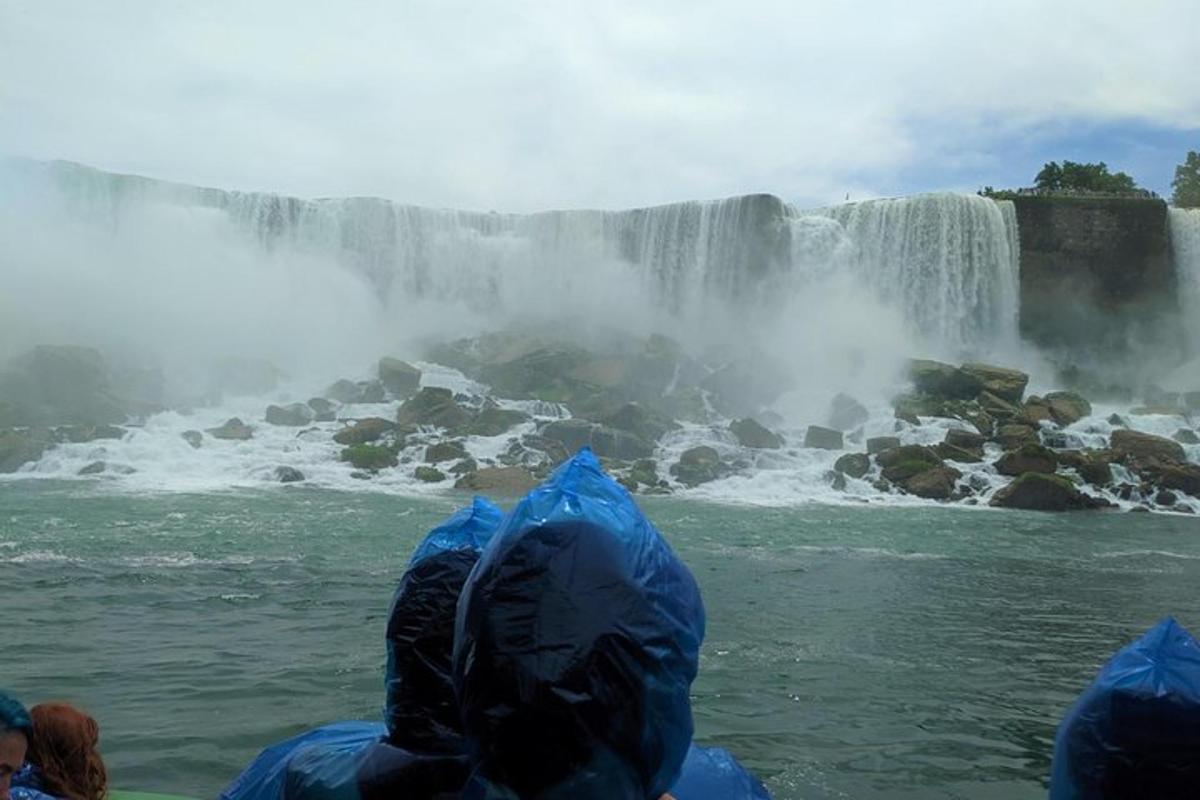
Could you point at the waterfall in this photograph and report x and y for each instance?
(949, 260)
(1185, 240)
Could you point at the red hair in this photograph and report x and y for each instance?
(63, 748)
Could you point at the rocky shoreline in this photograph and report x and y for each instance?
(535, 401)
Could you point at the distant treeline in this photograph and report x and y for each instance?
(1075, 179)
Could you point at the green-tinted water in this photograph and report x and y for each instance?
(852, 652)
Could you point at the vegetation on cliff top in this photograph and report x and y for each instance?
(1187, 182)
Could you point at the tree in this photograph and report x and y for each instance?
(1187, 182)
(1085, 177)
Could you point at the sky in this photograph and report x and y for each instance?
(520, 106)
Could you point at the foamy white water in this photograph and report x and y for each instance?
(1185, 241)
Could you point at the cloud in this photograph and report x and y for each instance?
(523, 105)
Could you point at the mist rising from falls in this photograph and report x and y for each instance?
(1185, 240)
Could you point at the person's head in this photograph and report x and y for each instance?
(63, 748)
(15, 730)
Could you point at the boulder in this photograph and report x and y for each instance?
(372, 392)
(751, 434)
(1165, 497)
(1094, 466)
(903, 462)
(853, 464)
(94, 468)
(399, 377)
(551, 451)
(877, 444)
(997, 407)
(605, 442)
(344, 391)
(452, 450)
(493, 421)
(232, 428)
(823, 438)
(296, 415)
(323, 410)
(499, 480)
(194, 438)
(364, 431)
(369, 457)
(644, 472)
(1036, 491)
(20, 447)
(1145, 447)
(433, 406)
(1029, 457)
(741, 388)
(965, 440)
(942, 380)
(1035, 412)
(936, 483)
(1068, 407)
(637, 419)
(288, 475)
(1183, 477)
(1013, 436)
(429, 474)
(464, 466)
(846, 413)
(698, 465)
(950, 452)
(1186, 436)
(1117, 421)
(1007, 384)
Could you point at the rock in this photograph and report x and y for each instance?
(877, 444)
(837, 481)
(369, 457)
(1092, 465)
(1117, 421)
(1037, 491)
(1068, 407)
(997, 407)
(1007, 384)
(288, 475)
(53, 384)
(853, 464)
(500, 480)
(296, 415)
(644, 472)
(194, 438)
(823, 438)
(936, 483)
(493, 421)
(949, 452)
(464, 466)
(1165, 497)
(428, 474)
(399, 377)
(79, 434)
(965, 440)
(20, 447)
(323, 410)
(553, 452)
(94, 468)
(233, 428)
(445, 451)
(751, 434)
(903, 462)
(1186, 436)
(1029, 457)
(605, 442)
(640, 421)
(847, 413)
(344, 391)
(372, 392)
(364, 431)
(698, 465)
(1011, 437)
(1183, 477)
(1035, 412)
(433, 406)
(942, 380)
(1145, 447)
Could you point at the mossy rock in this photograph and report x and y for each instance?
(429, 474)
(853, 464)
(493, 421)
(453, 450)
(369, 457)
(364, 431)
(1029, 457)
(1036, 491)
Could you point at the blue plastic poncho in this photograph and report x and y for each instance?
(712, 773)
(422, 712)
(577, 639)
(1135, 732)
(264, 778)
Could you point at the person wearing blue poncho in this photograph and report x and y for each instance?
(15, 730)
(1135, 732)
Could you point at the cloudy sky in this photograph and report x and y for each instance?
(519, 105)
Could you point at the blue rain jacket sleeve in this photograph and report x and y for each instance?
(264, 778)
(712, 773)
(577, 640)
(1135, 732)
(421, 710)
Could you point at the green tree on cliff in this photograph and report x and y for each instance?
(1086, 177)
(1187, 182)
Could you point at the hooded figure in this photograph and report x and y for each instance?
(577, 640)
(1135, 732)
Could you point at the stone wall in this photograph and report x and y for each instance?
(1097, 276)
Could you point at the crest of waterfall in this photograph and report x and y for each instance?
(950, 260)
(1185, 241)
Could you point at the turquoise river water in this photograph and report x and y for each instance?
(852, 652)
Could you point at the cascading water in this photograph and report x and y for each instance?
(1185, 240)
(949, 260)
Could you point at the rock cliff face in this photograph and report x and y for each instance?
(1097, 275)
